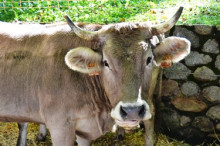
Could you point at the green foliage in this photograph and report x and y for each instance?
(110, 11)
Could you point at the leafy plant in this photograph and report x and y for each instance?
(110, 11)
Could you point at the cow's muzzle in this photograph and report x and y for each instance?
(128, 115)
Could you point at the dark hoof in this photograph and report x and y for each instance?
(120, 137)
(142, 125)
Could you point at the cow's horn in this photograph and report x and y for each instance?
(162, 28)
(84, 34)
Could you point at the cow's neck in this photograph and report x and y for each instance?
(97, 93)
(101, 104)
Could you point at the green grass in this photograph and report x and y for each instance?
(111, 11)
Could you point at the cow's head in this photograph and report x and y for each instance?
(125, 62)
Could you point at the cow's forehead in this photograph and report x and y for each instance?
(126, 27)
(126, 44)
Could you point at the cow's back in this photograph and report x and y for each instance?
(34, 77)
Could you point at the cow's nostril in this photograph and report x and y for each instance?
(132, 112)
(123, 112)
(142, 111)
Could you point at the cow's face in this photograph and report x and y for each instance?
(129, 59)
(125, 63)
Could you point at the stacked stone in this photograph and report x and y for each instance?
(191, 88)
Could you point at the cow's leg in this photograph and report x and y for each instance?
(42, 133)
(82, 141)
(22, 134)
(150, 137)
(62, 135)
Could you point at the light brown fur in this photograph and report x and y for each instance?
(37, 86)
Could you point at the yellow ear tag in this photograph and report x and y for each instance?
(92, 65)
(167, 61)
(96, 73)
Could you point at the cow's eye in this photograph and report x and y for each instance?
(105, 63)
(149, 59)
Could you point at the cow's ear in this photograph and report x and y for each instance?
(84, 60)
(171, 49)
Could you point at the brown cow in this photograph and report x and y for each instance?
(80, 82)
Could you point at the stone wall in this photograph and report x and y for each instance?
(191, 88)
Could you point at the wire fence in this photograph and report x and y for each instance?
(40, 11)
(109, 11)
(35, 3)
